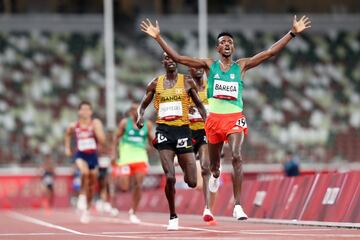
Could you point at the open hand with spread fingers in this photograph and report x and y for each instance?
(301, 25)
(150, 29)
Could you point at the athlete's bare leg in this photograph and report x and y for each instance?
(235, 142)
(214, 156)
(167, 163)
(85, 173)
(104, 188)
(138, 180)
(205, 174)
(124, 182)
(91, 186)
(199, 183)
(187, 163)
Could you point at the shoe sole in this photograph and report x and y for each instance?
(212, 223)
(242, 218)
(173, 229)
(208, 218)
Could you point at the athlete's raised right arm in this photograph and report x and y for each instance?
(150, 92)
(154, 32)
(69, 131)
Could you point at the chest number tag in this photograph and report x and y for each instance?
(87, 144)
(225, 90)
(170, 110)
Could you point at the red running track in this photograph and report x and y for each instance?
(64, 224)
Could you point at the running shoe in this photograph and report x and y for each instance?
(107, 207)
(132, 217)
(238, 213)
(81, 203)
(173, 224)
(214, 184)
(114, 212)
(85, 217)
(99, 205)
(207, 215)
(212, 223)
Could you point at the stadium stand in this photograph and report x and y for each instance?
(306, 100)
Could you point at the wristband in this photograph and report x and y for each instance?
(292, 34)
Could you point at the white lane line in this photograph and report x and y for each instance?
(25, 218)
(114, 220)
(162, 232)
(305, 234)
(305, 223)
(274, 221)
(36, 221)
(27, 234)
(203, 238)
(288, 230)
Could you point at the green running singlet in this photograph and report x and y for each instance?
(132, 147)
(225, 89)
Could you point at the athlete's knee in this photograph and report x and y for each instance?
(170, 179)
(124, 187)
(137, 185)
(86, 174)
(237, 163)
(236, 158)
(191, 183)
(205, 170)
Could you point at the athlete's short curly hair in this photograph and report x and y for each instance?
(224, 34)
(84, 103)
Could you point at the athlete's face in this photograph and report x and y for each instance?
(133, 110)
(225, 46)
(169, 64)
(85, 111)
(196, 72)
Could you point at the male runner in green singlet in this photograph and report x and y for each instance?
(226, 121)
(132, 159)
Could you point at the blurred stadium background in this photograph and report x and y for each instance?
(306, 100)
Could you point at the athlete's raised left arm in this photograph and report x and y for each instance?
(191, 89)
(297, 27)
(100, 134)
(154, 32)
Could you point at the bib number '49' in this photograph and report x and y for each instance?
(241, 123)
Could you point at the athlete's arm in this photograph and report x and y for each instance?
(191, 89)
(118, 135)
(69, 131)
(151, 135)
(297, 27)
(100, 135)
(154, 32)
(150, 92)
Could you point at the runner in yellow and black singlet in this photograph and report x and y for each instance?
(226, 121)
(172, 93)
